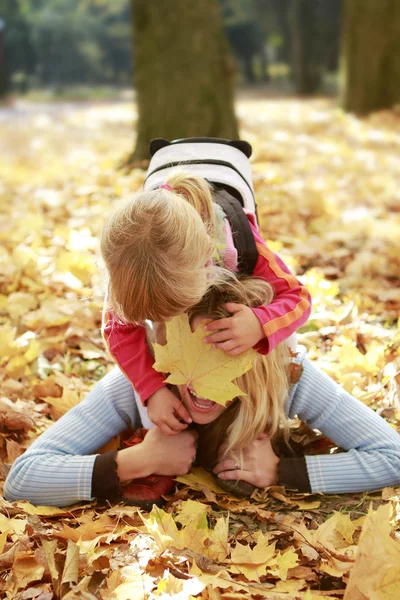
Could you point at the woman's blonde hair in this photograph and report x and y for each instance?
(265, 387)
(156, 246)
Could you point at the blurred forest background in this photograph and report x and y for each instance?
(57, 44)
(68, 46)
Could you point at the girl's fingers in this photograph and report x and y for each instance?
(175, 425)
(232, 307)
(220, 336)
(218, 324)
(238, 350)
(226, 346)
(181, 411)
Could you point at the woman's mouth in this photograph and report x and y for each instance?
(198, 403)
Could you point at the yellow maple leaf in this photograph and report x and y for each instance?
(192, 362)
(60, 406)
(286, 561)
(376, 572)
(253, 562)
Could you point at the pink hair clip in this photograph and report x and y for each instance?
(165, 186)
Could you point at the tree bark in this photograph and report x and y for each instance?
(307, 63)
(183, 72)
(4, 81)
(370, 59)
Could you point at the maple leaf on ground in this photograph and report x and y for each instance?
(192, 362)
(376, 572)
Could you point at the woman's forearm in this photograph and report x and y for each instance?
(58, 468)
(133, 463)
(372, 457)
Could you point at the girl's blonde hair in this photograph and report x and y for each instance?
(156, 247)
(265, 386)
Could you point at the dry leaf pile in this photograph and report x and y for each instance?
(328, 189)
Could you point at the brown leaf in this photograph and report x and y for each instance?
(15, 421)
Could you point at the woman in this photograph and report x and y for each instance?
(62, 467)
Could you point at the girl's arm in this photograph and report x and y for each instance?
(291, 306)
(372, 457)
(128, 346)
(61, 467)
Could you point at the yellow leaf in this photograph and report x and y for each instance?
(218, 547)
(19, 303)
(71, 567)
(346, 527)
(47, 511)
(253, 562)
(286, 561)
(137, 587)
(12, 525)
(304, 505)
(33, 351)
(376, 572)
(198, 478)
(192, 362)
(60, 406)
(7, 338)
(190, 511)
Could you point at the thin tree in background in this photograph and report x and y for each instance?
(371, 55)
(3, 63)
(183, 72)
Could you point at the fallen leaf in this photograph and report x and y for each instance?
(376, 572)
(192, 362)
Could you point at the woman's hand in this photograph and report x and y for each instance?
(170, 455)
(158, 454)
(260, 464)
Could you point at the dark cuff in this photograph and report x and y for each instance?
(292, 473)
(105, 480)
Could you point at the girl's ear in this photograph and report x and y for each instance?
(243, 146)
(157, 144)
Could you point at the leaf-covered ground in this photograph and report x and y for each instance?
(328, 189)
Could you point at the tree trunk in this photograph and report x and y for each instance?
(307, 68)
(3, 65)
(183, 72)
(371, 55)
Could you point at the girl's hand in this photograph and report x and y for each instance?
(235, 334)
(260, 464)
(170, 455)
(165, 409)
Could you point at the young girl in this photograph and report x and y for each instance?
(62, 467)
(160, 249)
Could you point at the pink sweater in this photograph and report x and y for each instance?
(288, 311)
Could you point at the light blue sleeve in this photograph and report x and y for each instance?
(57, 468)
(372, 457)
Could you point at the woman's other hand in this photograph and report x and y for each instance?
(170, 455)
(158, 454)
(260, 464)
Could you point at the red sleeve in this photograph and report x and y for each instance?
(128, 346)
(291, 306)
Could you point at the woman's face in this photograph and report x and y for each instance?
(201, 410)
